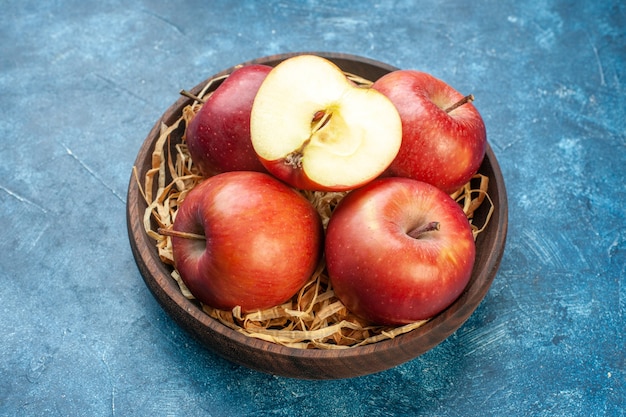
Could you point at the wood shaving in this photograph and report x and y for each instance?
(314, 318)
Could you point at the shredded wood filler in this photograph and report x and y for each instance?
(314, 317)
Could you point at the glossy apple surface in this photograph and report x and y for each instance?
(218, 137)
(439, 147)
(387, 261)
(315, 129)
(262, 241)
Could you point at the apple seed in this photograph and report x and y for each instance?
(320, 119)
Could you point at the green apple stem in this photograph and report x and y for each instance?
(425, 228)
(191, 96)
(185, 235)
(466, 99)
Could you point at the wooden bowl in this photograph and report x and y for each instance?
(313, 363)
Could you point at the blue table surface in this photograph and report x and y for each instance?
(82, 83)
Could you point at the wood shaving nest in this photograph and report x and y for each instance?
(314, 317)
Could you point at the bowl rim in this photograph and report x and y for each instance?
(189, 316)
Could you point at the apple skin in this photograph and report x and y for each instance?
(218, 137)
(443, 149)
(383, 274)
(263, 241)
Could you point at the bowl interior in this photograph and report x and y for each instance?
(312, 363)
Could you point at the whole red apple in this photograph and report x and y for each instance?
(218, 137)
(442, 145)
(244, 238)
(398, 250)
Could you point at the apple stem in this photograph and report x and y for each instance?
(175, 233)
(191, 96)
(419, 231)
(466, 99)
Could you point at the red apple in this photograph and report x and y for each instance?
(245, 238)
(218, 137)
(441, 145)
(315, 129)
(398, 250)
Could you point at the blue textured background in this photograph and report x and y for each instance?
(81, 84)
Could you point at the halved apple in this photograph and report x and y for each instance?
(315, 129)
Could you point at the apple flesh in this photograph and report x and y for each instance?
(218, 136)
(315, 129)
(398, 250)
(262, 241)
(441, 145)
